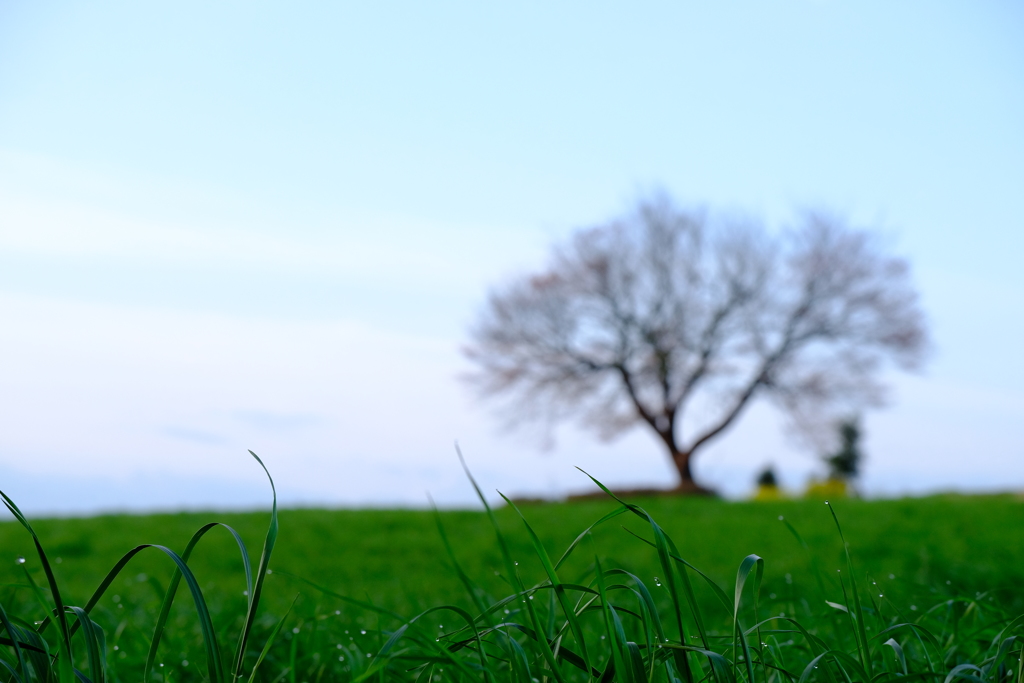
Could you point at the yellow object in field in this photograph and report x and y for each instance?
(829, 488)
(768, 492)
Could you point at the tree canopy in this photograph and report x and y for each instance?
(676, 320)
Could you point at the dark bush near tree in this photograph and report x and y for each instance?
(845, 463)
(767, 477)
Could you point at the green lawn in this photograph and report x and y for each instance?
(916, 550)
(396, 556)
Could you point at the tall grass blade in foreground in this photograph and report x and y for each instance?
(65, 667)
(514, 578)
(256, 590)
(857, 613)
(40, 665)
(252, 592)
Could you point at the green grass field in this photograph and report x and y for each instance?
(918, 553)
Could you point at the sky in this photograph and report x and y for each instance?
(268, 226)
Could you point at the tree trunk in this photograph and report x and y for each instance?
(687, 485)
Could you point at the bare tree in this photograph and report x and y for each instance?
(676, 321)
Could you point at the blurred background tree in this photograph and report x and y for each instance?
(675, 320)
(845, 464)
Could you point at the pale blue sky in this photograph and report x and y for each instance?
(267, 226)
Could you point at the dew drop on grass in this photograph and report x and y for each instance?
(337, 611)
(295, 629)
(116, 648)
(339, 646)
(517, 564)
(913, 608)
(270, 571)
(59, 560)
(120, 606)
(602, 636)
(21, 560)
(341, 659)
(368, 655)
(507, 612)
(771, 596)
(161, 663)
(117, 598)
(948, 582)
(184, 662)
(245, 593)
(531, 597)
(363, 632)
(892, 576)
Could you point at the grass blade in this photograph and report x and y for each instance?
(256, 590)
(666, 550)
(862, 636)
(16, 638)
(647, 600)
(510, 566)
(95, 645)
(576, 542)
(757, 564)
(214, 665)
(613, 627)
(900, 657)
(65, 667)
(840, 658)
(471, 588)
(715, 588)
(270, 640)
(172, 589)
(556, 584)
